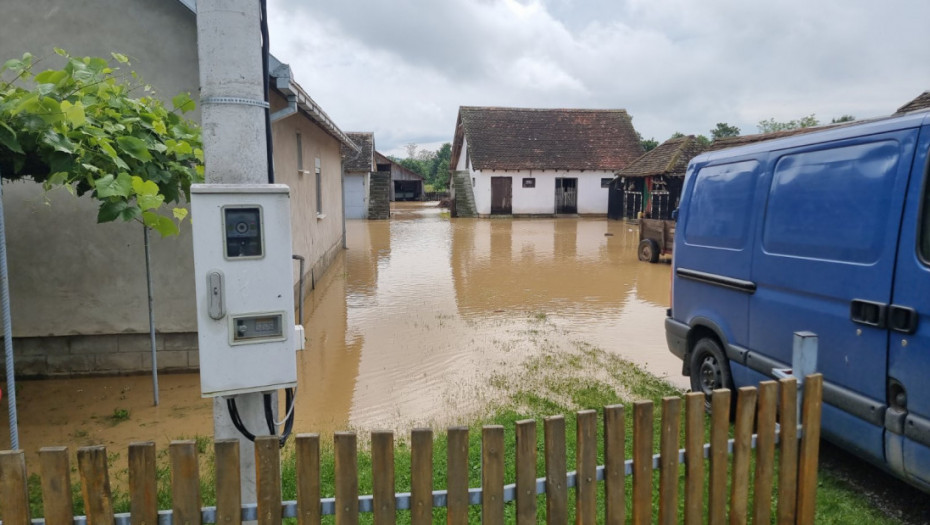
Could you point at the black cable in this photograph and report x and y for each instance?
(265, 78)
(237, 420)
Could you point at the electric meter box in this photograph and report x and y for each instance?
(245, 294)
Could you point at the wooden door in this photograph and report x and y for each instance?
(501, 195)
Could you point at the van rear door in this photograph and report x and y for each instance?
(824, 263)
(908, 420)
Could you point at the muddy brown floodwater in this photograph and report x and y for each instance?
(405, 329)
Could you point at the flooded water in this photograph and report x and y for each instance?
(405, 329)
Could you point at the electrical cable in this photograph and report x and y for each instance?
(265, 78)
(237, 420)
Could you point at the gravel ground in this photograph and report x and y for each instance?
(896, 499)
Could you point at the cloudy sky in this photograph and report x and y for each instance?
(401, 68)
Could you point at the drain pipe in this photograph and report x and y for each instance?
(286, 111)
(8, 333)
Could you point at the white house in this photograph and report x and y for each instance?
(517, 161)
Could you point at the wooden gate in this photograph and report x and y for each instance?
(566, 195)
(501, 195)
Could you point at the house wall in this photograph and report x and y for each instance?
(460, 164)
(592, 198)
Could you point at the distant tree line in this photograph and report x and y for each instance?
(433, 166)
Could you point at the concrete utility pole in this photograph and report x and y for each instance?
(235, 152)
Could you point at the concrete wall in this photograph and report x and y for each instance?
(78, 288)
(592, 198)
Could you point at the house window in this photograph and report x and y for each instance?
(300, 155)
(319, 189)
(605, 183)
(529, 182)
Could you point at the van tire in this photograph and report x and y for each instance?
(648, 250)
(710, 369)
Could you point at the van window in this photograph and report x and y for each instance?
(832, 204)
(720, 205)
(924, 226)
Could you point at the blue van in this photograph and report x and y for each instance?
(827, 232)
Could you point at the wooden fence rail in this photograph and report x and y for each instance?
(706, 465)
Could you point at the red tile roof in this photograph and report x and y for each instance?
(565, 139)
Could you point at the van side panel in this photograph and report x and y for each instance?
(824, 263)
(712, 284)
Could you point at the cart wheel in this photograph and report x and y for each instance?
(648, 250)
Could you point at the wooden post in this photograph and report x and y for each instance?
(642, 462)
(228, 482)
(788, 453)
(143, 490)
(765, 452)
(457, 479)
(56, 485)
(694, 458)
(586, 467)
(492, 474)
(185, 483)
(556, 489)
(308, 479)
(526, 472)
(346, 478)
(668, 463)
(810, 447)
(742, 449)
(13, 488)
(268, 479)
(384, 506)
(719, 434)
(95, 485)
(421, 476)
(614, 465)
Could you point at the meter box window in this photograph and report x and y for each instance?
(245, 291)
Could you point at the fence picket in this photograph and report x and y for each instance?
(614, 465)
(788, 452)
(556, 489)
(526, 472)
(345, 444)
(143, 491)
(810, 443)
(668, 464)
(719, 434)
(185, 482)
(765, 452)
(492, 474)
(421, 476)
(268, 479)
(642, 462)
(694, 458)
(457, 478)
(308, 479)
(586, 467)
(382, 477)
(742, 449)
(95, 485)
(13, 488)
(228, 489)
(56, 486)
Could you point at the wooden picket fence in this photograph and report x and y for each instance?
(706, 465)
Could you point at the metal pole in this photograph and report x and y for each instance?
(148, 279)
(8, 333)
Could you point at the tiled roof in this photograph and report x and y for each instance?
(921, 102)
(363, 160)
(669, 158)
(576, 139)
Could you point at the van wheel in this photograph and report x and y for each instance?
(710, 369)
(648, 250)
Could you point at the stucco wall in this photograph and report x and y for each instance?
(592, 198)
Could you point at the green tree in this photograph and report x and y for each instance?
(724, 130)
(771, 125)
(843, 118)
(647, 144)
(79, 127)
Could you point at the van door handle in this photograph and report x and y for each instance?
(902, 319)
(868, 313)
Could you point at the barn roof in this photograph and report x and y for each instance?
(569, 139)
(921, 102)
(669, 158)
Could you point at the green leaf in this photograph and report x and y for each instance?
(179, 213)
(60, 51)
(13, 64)
(159, 127)
(183, 102)
(111, 210)
(8, 139)
(121, 58)
(51, 76)
(144, 187)
(136, 148)
(74, 113)
(110, 186)
(163, 225)
(58, 142)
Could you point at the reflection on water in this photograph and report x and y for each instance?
(406, 327)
